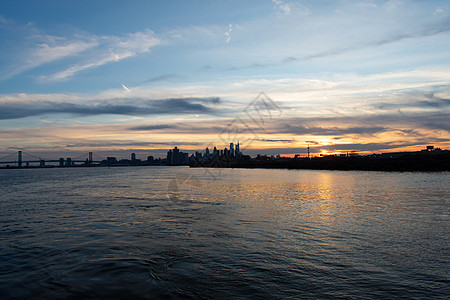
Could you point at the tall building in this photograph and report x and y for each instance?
(170, 157)
(175, 157)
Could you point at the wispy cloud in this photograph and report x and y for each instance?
(333, 131)
(110, 49)
(52, 50)
(122, 143)
(423, 32)
(281, 7)
(338, 126)
(228, 33)
(152, 127)
(276, 140)
(33, 47)
(439, 11)
(327, 33)
(392, 5)
(77, 51)
(367, 4)
(422, 104)
(165, 77)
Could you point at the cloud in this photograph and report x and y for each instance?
(337, 127)
(410, 102)
(427, 31)
(344, 132)
(439, 103)
(152, 127)
(228, 33)
(392, 5)
(275, 140)
(408, 124)
(254, 65)
(166, 77)
(15, 110)
(110, 49)
(367, 4)
(281, 7)
(325, 34)
(76, 51)
(29, 47)
(45, 53)
(289, 59)
(438, 11)
(112, 143)
(312, 130)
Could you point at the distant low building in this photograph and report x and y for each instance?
(111, 160)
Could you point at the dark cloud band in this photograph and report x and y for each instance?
(115, 107)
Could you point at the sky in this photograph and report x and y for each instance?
(115, 77)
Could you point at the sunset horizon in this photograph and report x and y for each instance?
(342, 76)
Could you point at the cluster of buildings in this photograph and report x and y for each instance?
(232, 152)
(112, 161)
(175, 157)
(232, 155)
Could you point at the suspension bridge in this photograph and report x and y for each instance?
(25, 159)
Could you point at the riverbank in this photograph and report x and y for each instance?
(408, 162)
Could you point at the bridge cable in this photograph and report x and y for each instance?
(23, 154)
(78, 157)
(7, 156)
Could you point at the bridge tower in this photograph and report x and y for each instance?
(90, 158)
(19, 159)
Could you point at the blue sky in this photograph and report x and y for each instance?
(144, 76)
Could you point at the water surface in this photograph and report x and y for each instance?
(181, 233)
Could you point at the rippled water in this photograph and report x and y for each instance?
(175, 232)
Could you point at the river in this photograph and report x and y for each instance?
(181, 233)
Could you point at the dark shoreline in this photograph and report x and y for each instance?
(74, 167)
(436, 161)
(406, 163)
